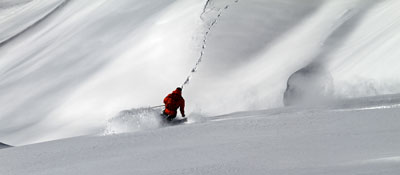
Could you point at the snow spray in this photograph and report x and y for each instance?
(209, 28)
(133, 120)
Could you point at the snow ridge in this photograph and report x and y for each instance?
(2, 145)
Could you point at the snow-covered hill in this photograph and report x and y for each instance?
(361, 140)
(67, 67)
(71, 68)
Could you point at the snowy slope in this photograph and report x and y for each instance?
(19, 16)
(70, 68)
(280, 141)
(66, 67)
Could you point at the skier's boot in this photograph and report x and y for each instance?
(171, 117)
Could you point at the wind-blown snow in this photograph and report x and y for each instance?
(67, 67)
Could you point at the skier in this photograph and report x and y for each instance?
(172, 102)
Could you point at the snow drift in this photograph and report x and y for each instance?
(309, 86)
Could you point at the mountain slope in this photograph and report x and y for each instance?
(292, 141)
(69, 66)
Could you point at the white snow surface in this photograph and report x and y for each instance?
(67, 66)
(351, 140)
(94, 69)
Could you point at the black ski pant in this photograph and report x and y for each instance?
(169, 117)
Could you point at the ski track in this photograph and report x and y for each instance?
(206, 34)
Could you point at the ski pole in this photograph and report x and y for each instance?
(157, 106)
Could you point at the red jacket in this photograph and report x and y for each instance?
(174, 101)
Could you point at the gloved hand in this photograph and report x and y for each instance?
(183, 115)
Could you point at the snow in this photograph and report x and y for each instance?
(281, 141)
(78, 80)
(74, 65)
(2, 145)
(134, 120)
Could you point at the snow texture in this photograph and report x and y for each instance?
(69, 69)
(134, 120)
(325, 140)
